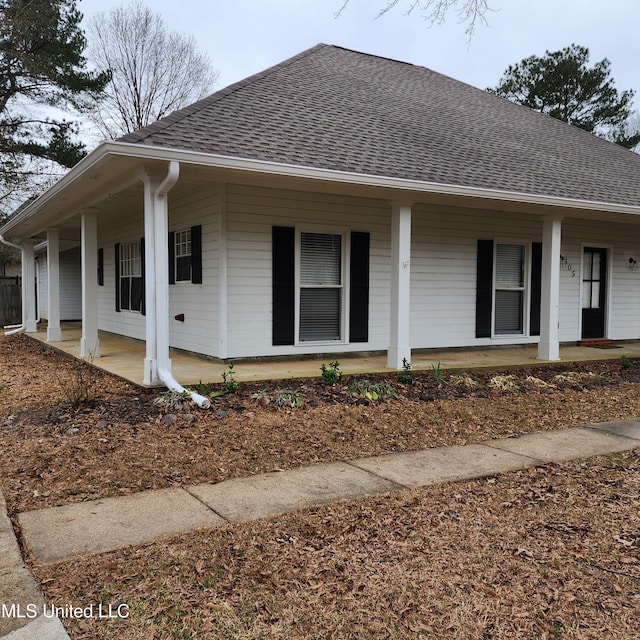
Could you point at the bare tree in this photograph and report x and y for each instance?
(154, 71)
(470, 12)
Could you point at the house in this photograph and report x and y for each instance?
(342, 202)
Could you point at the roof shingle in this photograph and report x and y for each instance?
(332, 108)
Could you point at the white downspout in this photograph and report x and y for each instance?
(15, 328)
(160, 218)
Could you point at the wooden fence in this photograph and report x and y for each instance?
(10, 301)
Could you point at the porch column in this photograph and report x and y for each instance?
(399, 347)
(89, 343)
(157, 274)
(53, 285)
(29, 319)
(549, 345)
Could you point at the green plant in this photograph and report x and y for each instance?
(331, 375)
(229, 383)
(173, 400)
(281, 398)
(405, 377)
(625, 362)
(287, 398)
(436, 372)
(371, 390)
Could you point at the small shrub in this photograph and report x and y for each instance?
(331, 375)
(463, 380)
(80, 387)
(537, 382)
(503, 383)
(173, 400)
(625, 363)
(287, 398)
(281, 398)
(371, 390)
(405, 377)
(229, 383)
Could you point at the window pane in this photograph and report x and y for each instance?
(586, 295)
(320, 259)
(136, 294)
(595, 271)
(320, 314)
(510, 265)
(595, 295)
(509, 312)
(183, 269)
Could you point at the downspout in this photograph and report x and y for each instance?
(15, 328)
(162, 319)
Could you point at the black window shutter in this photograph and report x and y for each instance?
(143, 302)
(283, 285)
(359, 289)
(484, 288)
(172, 257)
(196, 254)
(536, 288)
(100, 267)
(117, 276)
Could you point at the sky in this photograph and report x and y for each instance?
(243, 37)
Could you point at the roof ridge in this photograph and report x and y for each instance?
(180, 114)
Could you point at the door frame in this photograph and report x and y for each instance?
(608, 248)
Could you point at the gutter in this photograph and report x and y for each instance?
(216, 161)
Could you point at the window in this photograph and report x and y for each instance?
(131, 287)
(509, 289)
(183, 255)
(321, 287)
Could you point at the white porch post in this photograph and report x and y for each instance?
(157, 275)
(549, 345)
(54, 333)
(29, 319)
(399, 347)
(89, 343)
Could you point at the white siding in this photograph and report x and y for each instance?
(443, 271)
(188, 206)
(443, 268)
(252, 214)
(70, 285)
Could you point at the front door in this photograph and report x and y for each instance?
(594, 278)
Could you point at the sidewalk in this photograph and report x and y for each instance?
(62, 533)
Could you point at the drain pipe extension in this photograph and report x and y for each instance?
(172, 385)
(163, 373)
(16, 328)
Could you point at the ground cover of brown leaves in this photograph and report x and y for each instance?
(545, 553)
(542, 553)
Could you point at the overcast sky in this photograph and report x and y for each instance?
(243, 37)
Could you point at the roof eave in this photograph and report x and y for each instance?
(399, 187)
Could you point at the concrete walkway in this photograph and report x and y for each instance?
(62, 533)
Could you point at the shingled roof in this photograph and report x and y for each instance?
(332, 108)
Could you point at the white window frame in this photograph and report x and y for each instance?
(344, 233)
(525, 288)
(180, 245)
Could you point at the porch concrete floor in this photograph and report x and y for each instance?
(124, 357)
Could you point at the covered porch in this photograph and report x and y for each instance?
(124, 357)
